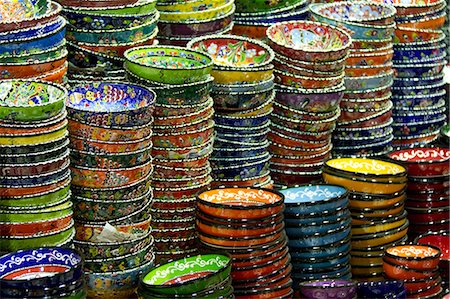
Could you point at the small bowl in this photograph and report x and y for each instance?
(150, 63)
(110, 147)
(333, 67)
(328, 289)
(317, 240)
(401, 272)
(360, 84)
(288, 79)
(373, 289)
(282, 40)
(379, 239)
(416, 257)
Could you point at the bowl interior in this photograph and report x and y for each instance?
(439, 240)
(360, 11)
(310, 194)
(28, 94)
(240, 197)
(109, 97)
(421, 155)
(413, 251)
(366, 166)
(308, 36)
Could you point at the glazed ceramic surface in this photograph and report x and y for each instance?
(111, 104)
(170, 65)
(328, 289)
(366, 166)
(30, 101)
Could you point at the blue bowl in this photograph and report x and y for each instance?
(239, 152)
(416, 70)
(299, 14)
(254, 121)
(326, 216)
(36, 258)
(418, 116)
(369, 82)
(221, 129)
(338, 142)
(35, 180)
(412, 82)
(242, 88)
(340, 272)
(243, 171)
(418, 102)
(414, 54)
(326, 238)
(321, 252)
(316, 227)
(314, 198)
(433, 89)
(93, 63)
(380, 289)
(250, 137)
(218, 162)
(419, 128)
(368, 132)
(238, 100)
(321, 265)
(38, 43)
(366, 150)
(32, 32)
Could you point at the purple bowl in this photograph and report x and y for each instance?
(328, 289)
(311, 100)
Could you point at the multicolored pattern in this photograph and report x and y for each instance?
(356, 11)
(367, 166)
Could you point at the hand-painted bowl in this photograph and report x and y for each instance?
(110, 147)
(245, 170)
(419, 70)
(328, 289)
(440, 240)
(121, 284)
(170, 65)
(370, 58)
(288, 79)
(230, 52)
(313, 198)
(380, 239)
(199, 15)
(371, 289)
(289, 39)
(30, 101)
(184, 153)
(313, 240)
(111, 104)
(370, 82)
(394, 271)
(322, 68)
(417, 257)
(63, 209)
(247, 203)
(190, 138)
(418, 99)
(237, 101)
(187, 276)
(320, 227)
(31, 32)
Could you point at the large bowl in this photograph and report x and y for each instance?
(169, 65)
(20, 101)
(111, 104)
(304, 40)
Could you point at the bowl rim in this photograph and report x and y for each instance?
(426, 148)
(347, 283)
(381, 235)
(55, 9)
(229, 14)
(116, 7)
(334, 28)
(125, 242)
(344, 194)
(413, 258)
(385, 220)
(407, 269)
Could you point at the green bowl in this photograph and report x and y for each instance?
(141, 7)
(188, 275)
(259, 6)
(57, 211)
(168, 64)
(56, 238)
(22, 100)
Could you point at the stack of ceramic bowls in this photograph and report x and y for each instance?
(35, 209)
(243, 94)
(364, 128)
(183, 139)
(428, 194)
(204, 276)
(318, 227)
(99, 32)
(32, 43)
(345, 289)
(419, 89)
(381, 289)
(306, 106)
(442, 241)
(42, 273)
(252, 18)
(377, 195)
(417, 266)
(248, 224)
(181, 21)
(110, 132)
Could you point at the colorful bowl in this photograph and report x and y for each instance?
(328, 289)
(199, 15)
(417, 257)
(289, 38)
(169, 65)
(110, 147)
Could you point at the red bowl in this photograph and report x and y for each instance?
(215, 241)
(428, 214)
(428, 195)
(281, 291)
(258, 251)
(440, 203)
(418, 285)
(428, 294)
(263, 259)
(436, 185)
(257, 271)
(404, 273)
(423, 162)
(424, 227)
(415, 257)
(276, 276)
(438, 239)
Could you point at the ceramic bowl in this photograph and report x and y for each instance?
(237, 101)
(437, 239)
(370, 289)
(382, 239)
(235, 76)
(322, 68)
(219, 202)
(194, 138)
(240, 152)
(401, 272)
(370, 82)
(231, 52)
(288, 79)
(419, 54)
(409, 37)
(29, 106)
(418, 101)
(114, 35)
(300, 231)
(152, 63)
(370, 58)
(328, 289)
(110, 147)
(111, 104)
(313, 240)
(242, 88)
(417, 257)
(62, 209)
(285, 38)
(195, 28)
(161, 281)
(419, 70)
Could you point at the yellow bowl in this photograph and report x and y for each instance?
(189, 5)
(363, 187)
(262, 109)
(235, 77)
(366, 167)
(210, 13)
(381, 238)
(368, 271)
(36, 139)
(377, 203)
(365, 261)
(377, 213)
(377, 227)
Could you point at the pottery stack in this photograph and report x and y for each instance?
(205, 275)
(419, 59)
(99, 32)
(377, 199)
(32, 44)
(42, 273)
(243, 95)
(248, 224)
(183, 20)
(428, 194)
(365, 125)
(308, 92)
(183, 139)
(252, 18)
(318, 227)
(110, 134)
(417, 266)
(35, 209)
